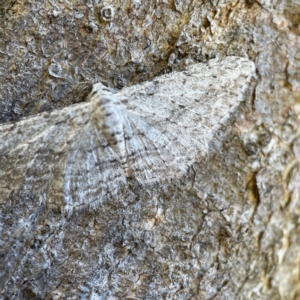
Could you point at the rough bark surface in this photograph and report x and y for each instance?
(230, 230)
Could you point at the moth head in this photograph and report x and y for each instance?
(104, 103)
(99, 93)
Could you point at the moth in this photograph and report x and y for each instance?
(83, 154)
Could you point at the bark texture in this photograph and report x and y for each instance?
(230, 230)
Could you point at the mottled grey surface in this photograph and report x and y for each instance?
(82, 155)
(234, 235)
(51, 51)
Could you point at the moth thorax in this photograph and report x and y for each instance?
(100, 102)
(110, 119)
(105, 109)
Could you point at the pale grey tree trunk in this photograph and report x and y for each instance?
(230, 230)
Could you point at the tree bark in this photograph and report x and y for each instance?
(230, 230)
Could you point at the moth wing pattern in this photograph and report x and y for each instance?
(58, 158)
(92, 172)
(30, 149)
(64, 158)
(173, 118)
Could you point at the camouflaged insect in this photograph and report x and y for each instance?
(83, 154)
